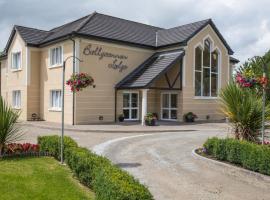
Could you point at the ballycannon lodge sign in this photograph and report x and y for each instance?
(117, 59)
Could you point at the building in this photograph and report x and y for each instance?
(137, 69)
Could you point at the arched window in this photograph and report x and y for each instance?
(206, 70)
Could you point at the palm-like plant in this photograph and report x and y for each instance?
(243, 107)
(9, 132)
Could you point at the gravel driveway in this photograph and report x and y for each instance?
(165, 163)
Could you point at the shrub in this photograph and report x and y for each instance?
(246, 154)
(51, 144)
(97, 172)
(9, 132)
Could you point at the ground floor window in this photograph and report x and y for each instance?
(56, 99)
(169, 106)
(131, 105)
(16, 99)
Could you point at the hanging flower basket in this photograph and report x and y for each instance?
(79, 81)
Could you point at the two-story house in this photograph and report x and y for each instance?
(137, 69)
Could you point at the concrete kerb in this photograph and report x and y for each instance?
(228, 166)
(109, 131)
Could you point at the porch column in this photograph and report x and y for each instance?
(144, 104)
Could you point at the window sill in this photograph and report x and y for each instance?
(206, 98)
(16, 108)
(16, 70)
(55, 109)
(55, 66)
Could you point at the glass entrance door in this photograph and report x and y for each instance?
(131, 105)
(169, 106)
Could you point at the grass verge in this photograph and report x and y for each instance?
(39, 178)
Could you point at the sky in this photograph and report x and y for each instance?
(245, 24)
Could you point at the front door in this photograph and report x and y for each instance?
(169, 106)
(131, 105)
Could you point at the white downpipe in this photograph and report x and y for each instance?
(144, 104)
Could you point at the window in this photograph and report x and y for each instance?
(131, 105)
(56, 100)
(206, 71)
(16, 61)
(169, 106)
(16, 99)
(56, 57)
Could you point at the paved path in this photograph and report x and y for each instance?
(165, 163)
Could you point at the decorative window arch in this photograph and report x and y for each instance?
(206, 69)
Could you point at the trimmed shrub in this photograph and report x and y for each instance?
(246, 154)
(107, 180)
(51, 144)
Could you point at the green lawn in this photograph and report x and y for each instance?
(39, 178)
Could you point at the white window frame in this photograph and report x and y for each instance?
(52, 107)
(170, 107)
(212, 49)
(16, 99)
(60, 63)
(16, 68)
(130, 108)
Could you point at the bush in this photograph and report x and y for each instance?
(97, 172)
(246, 154)
(51, 144)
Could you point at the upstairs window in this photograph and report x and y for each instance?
(56, 56)
(206, 70)
(16, 61)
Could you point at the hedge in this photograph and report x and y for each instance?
(248, 155)
(98, 173)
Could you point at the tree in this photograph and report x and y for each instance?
(9, 131)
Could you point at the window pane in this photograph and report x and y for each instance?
(206, 82)
(214, 61)
(165, 114)
(126, 100)
(165, 100)
(206, 53)
(214, 84)
(134, 100)
(126, 113)
(198, 88)
(134, 113)
(173, 100)
(173, 114)
(198, 59)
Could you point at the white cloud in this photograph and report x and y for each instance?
(243, 23)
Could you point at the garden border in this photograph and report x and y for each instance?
(231, 166)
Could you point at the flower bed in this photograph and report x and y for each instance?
(251, 156)
(18, 149)
(107, 180)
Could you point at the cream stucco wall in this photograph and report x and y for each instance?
(203, 107)
(51, 79)
(15, 80)
(100, 101)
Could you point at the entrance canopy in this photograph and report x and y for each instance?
(149, 71)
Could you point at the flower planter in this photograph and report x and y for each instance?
(152, 122)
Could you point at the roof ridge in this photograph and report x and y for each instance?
(30, 28)
(86, 21)
(129, 20)
(205, 20)
(71, 22)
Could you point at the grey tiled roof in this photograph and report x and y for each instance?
(179, 34)
(145, 74)
(120, 29)
(30, 35)
(115, 29)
